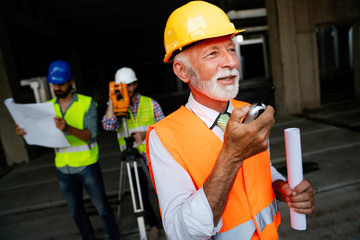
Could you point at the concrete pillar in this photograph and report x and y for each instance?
(356, 42)
(283, 56)
(13, 145)
(293, 56)
(307, 55)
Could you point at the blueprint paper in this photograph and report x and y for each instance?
(37, 119)
(295, 171)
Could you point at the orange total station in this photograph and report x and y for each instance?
(120, 98)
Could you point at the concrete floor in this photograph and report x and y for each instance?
(32, 208)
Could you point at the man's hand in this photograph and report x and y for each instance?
(110, 109)
(139, 137)
(246, 140)
(82, 134)
(301, 198)
(61, 123)
(19, 131)
(241, 141)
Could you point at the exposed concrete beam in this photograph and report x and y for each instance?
(251, 13)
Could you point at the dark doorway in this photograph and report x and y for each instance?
(335, 49)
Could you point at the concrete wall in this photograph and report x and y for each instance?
(293, 48)
(356, 40)
(13, 145)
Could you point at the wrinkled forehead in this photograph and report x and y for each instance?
(213, 43)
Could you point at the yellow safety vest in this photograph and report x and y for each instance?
(80, 153)
(144, 118)
(251, 210)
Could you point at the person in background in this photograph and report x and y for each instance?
(212, 173)
(78, 166)
(143, 112)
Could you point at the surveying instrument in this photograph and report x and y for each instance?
(130, 157)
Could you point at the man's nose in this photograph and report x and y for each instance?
(55, 87)
(230, 60)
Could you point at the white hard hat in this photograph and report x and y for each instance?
(125, 75)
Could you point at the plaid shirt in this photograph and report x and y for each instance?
(112, 124)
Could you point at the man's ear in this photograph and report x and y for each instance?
(181, 71)
(72, 82)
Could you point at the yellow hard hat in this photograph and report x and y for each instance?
(195, 21)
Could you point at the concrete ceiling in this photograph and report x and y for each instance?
(98, 35)
(98, 25)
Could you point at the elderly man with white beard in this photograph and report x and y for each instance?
(212, 174)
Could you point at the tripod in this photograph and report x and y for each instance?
(131, 157)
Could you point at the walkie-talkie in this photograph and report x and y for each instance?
(258, 108)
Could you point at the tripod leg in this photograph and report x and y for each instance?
(142, 230)
(139, 211)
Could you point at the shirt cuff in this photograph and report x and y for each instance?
(275, 175)
(109, 120)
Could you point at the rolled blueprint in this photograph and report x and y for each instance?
(295, 171)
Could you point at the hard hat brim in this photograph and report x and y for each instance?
(170, 55)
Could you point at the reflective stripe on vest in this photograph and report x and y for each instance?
(138, 129)
(74, 116)
(246, 230)
(265, 216)
(144, 118)
(76, 148)
(252, 189)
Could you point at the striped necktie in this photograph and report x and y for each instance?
(222, 121)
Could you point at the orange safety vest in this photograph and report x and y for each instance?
(251, 211)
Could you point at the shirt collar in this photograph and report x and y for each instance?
(207, 115)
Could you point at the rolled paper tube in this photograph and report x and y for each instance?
(295, 171)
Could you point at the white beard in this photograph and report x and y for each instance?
(212, 88)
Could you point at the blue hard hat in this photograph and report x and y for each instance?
(59, 72)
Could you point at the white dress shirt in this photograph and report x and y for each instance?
(186, 213)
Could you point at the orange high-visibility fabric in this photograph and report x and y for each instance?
(197, 152)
